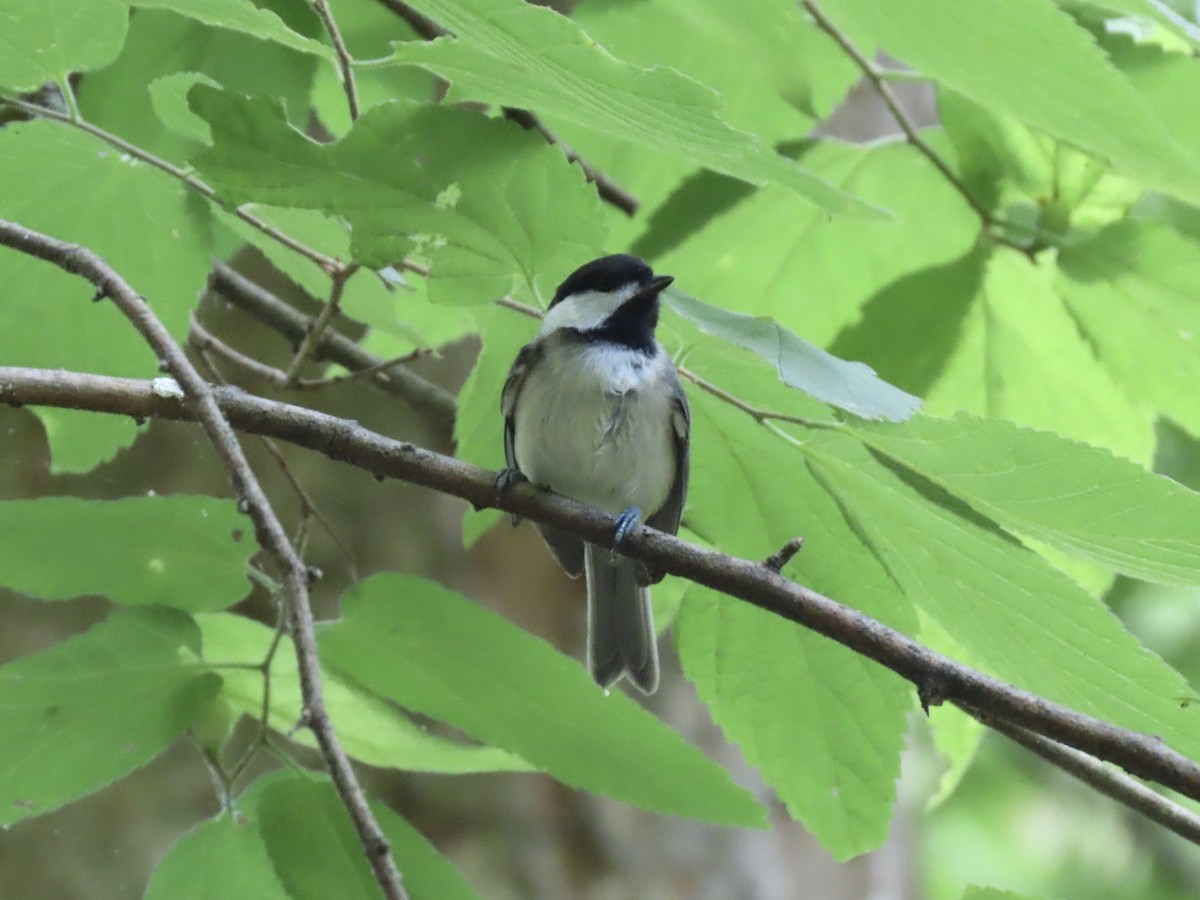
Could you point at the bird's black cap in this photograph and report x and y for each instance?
(605, 274)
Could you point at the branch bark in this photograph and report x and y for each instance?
(200, 403)
(936, 677)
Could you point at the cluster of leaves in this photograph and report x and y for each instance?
(1062, 297)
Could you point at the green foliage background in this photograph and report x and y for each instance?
(1042, 299)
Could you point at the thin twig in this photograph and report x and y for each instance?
(207, 342)
(327, 263)
(879, 81)
(759, 415)
(381, 367)
(610, 192)
(201, 403)
(308, 506)
(312, 339)
(518, 306)
(1108, 781)
(433, 401)
(934, 675)
(345, 63)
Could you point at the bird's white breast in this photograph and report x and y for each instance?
(588, 427)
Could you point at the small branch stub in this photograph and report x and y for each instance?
(781, 557)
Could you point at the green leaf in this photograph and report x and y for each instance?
(990, 893)
(791, 72)
(1021, 356)
(49, 40)
(852, 386)
(1021, 620)
(751, 494)
(1169, 83)
(119, 207)
(242, 16)
(312, 842)
(317, 854)
(770, 255)
(168, 96)
(956, 735)
(180, 551)
(911, 327)
(1080, 499)
(220, 858)
(370, 729)
(845, 725)
(483, 221)
(514, 54)
(1132, 289)
(95, 707)
(438, 654)
(161, 43)
(1061, 83)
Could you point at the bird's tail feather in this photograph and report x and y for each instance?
(621, 638)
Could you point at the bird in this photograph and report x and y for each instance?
(594, 410)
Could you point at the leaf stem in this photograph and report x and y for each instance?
(345, 63)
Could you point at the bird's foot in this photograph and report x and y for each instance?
(627, 521)
(505, 480)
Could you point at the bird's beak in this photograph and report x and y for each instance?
(653, 289)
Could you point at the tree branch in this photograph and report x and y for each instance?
(934, 675)
(426, 397)
(201, 404)
(1108, 781)
(878, 80)
(611, 192)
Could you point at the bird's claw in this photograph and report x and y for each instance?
(505, 480)
(627, 521)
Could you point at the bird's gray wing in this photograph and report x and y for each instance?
(528, 355)
(668, 516)
(567, 548)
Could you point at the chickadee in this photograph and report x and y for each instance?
(593, 410)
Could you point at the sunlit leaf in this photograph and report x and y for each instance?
(1021, 620)
(751, 494)
(770, 255)
(439, 654)
(851, 386)
(1068, 87)
(515, 54)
